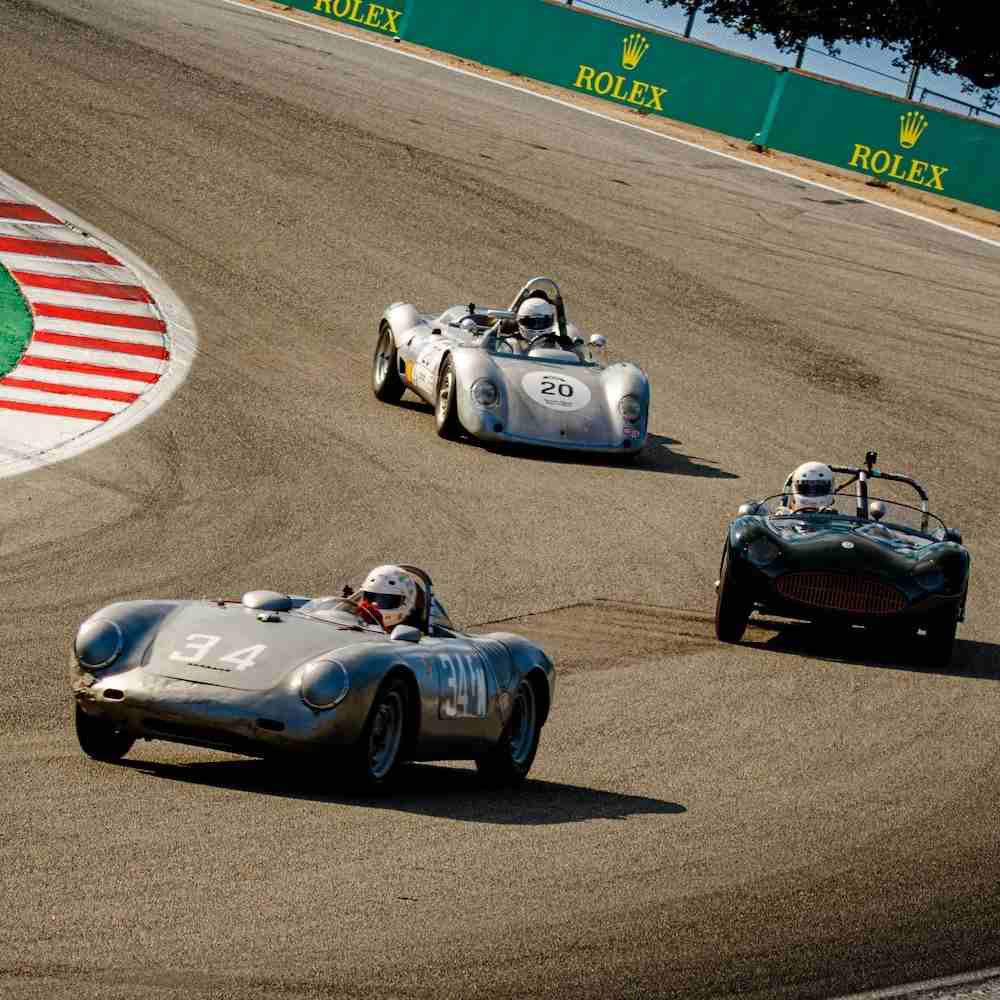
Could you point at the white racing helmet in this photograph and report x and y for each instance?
(812, 486)
(393, 591)
(536, 316)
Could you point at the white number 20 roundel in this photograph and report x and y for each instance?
(557, 392)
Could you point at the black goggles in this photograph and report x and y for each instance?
(385, 602)
(536, 323)
(812, 488)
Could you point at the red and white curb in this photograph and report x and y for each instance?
(111, 341)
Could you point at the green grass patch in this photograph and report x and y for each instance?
(15, 322)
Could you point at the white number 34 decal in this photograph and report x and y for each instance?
(198, 645)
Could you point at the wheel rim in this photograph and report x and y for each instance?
(386, 735)
(444, 396)
(382, 358)
(522, 724)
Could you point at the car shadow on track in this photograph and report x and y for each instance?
(978, 660)
(657, 456)
(445, 792)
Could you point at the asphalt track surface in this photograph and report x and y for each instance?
(798, 816)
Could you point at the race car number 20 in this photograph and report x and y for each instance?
(462, 686)
(555, 391)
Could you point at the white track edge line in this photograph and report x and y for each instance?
(910, 989)
(615, 121)
(181, 340)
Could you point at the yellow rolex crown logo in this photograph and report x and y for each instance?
(911, 128)
(634, 47)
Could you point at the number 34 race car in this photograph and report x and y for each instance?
(276, 675)
(859, 560)
(521, 375)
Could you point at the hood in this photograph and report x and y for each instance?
(567, 402)
(230, 646)
(850, 546)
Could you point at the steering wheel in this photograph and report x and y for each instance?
(552, 335)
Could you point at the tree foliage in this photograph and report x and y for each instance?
(956, 39)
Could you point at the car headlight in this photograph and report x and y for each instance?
(762, 551)
(98, 643)
(931, 578)
(324, 683)
(485, 392)
(630, 408)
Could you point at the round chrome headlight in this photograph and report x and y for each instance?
(762, 551)
(98, 643)
(325, 683)
(630, 408)
(485, 392)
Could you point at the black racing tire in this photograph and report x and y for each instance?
(732, 603)
(509, 762)
(939, 643)
(386, 383)
(446, 407)
(375, 760)
(100, 739)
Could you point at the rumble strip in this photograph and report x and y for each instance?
(109, 343)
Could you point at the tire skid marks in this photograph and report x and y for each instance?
(99, 340)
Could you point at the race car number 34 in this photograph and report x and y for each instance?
(555, 391)
(463, 687)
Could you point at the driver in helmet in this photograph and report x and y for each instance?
(812, 489)
(538, 324)
(390, 596)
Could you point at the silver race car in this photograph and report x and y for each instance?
(489, 374)
(275, 674)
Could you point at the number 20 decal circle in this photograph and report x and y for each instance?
(557, 392)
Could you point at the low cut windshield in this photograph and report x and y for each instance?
(344, 611)
(883, 515)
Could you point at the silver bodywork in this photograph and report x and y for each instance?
(556, 398)
(229, 675)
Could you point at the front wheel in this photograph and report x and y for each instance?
(509, 762)
(376, 757)
(386, 383)
(101, 739)
(446, 410)
(732, 604)
(940, 640)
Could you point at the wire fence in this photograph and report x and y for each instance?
(675, 21)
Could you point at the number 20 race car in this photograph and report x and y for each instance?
(275, 674)
(489, 373)
(859, 560)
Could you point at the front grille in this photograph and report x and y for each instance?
(842, 592)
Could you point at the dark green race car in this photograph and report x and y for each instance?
(861, 560)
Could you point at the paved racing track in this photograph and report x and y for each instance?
(791, 817)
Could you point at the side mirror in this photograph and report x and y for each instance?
(598, 341)
(405, 633)
(953, 535)
(750, 507)
(877, 510)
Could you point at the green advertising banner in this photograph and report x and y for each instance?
(897, 141)
(384, 18)
(655, 74)
(651, 73)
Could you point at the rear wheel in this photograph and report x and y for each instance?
(446, 410)
(378, 754)
(99, 738)
(732, 604)
(509, 762)
(386, 383)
